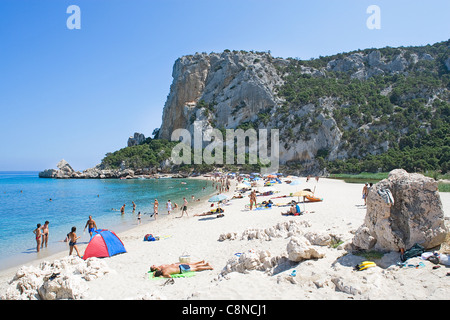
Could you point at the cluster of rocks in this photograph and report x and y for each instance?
(61, 279)
(286, 229)
(402, 210)
(65, 171)
(301, 246)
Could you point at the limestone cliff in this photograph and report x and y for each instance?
(337, 107)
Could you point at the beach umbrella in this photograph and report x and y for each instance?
(218, 197)
(271, 176)
(243, 185)
(303, 193)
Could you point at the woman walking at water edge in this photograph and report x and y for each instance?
(155, 208)
(38, 234)
(73, 241)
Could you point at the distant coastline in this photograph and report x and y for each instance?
(65, 171)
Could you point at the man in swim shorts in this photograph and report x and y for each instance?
(167, 270)
(184, 209)
(91, 224)
(45, 232)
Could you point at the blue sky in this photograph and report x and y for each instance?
(78, 94)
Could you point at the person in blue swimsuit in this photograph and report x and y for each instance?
(91, 224)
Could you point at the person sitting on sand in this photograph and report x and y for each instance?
(167, 270)
(291, 211)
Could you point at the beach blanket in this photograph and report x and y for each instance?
(188, 274)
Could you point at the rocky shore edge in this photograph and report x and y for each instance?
(65, 171)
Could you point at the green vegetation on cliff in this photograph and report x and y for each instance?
(146, 155)
(409, 111)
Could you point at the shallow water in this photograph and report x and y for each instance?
(25, 201)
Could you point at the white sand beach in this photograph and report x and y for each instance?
(329, 278)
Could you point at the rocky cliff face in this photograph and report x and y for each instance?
(233, 86)
(241, 89)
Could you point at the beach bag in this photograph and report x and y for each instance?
(414, 251)
(149, 237)
(185, 258)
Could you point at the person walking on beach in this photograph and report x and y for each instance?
(184, 209)
(365, 190)
(252, 199)
(169, 206)
(45, 234)
(91, 224)
(155, 208)
(38, 234)
(73, 242)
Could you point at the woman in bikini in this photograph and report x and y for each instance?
(155, 208)
(38, 234)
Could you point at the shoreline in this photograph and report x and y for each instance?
(59, 249)
(341, 213)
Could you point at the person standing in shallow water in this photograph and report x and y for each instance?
(45, 232)
(92, 226)
(38, 234)
(155, 208)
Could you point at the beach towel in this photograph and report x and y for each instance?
(386, 195)
(188, 274)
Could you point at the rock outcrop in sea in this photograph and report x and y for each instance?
(65, 171)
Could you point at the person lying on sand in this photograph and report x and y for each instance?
(208, 213)
(166, 270)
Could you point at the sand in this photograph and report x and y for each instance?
(329, 278)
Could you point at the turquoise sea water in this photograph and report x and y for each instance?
(25, 202)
